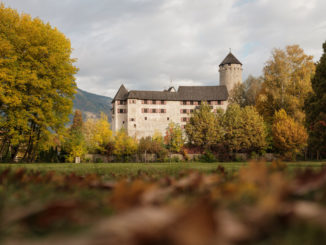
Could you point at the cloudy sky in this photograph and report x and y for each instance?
(146, 44)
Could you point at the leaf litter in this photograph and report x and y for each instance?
(261, 203)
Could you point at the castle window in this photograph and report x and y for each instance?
(168, 118)
(132, 119)
(191, 102)
(191, 110)
(162, 102)
(145, 118)
(162, 110)
(134, 125)
(121, 110)
(123, 122)
(199, 102)
(184, 111)
(145, 102)
(219, 102)
(184, 119)
(145, 110)
(154, 102)
(153, 110)
(184, 102)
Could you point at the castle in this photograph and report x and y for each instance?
(142, 113)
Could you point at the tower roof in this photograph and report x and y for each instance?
(122, 94)
(230, 59)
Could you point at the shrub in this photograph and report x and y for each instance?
(208, 156)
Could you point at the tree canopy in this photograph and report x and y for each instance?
(204, 128)
(244, 129)
(287, 83)
(36, 82)
(315, 108)
(173, 138)
(289, 136)
(245, 94)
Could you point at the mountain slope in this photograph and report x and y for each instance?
(92, 105)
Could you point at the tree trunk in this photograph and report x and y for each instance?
(14, 152)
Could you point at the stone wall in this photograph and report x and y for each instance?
(242, 157)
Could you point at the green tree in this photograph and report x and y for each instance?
(289, 136)
(36, 83)
(204, 128)
(245, 94)
(245, 129)
(153, 145)
(315, 108)
(173, 138)
(287, 83)
(254, 129)
(233, 126)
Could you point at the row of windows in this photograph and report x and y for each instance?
(153, 102)
(163, 102)
(147, 110)
(122, 110)
(212, 102)
(185, 119)
(186, 111)
(145, 118)
(122, 102)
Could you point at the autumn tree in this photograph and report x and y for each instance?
(151, 145)
(74, 145)
(77, 121)
(287, 83)
(97, 134)
(173, 138)
(204, 128)
(36, 83)
(245, 94)
(244, 129)
(289, 136)
(124, 146)
(315, 108)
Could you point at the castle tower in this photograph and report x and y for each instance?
(230, 71)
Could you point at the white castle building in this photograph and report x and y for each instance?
(142, 113)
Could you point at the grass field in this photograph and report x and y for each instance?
(124, 169)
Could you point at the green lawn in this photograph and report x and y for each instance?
(151, 168)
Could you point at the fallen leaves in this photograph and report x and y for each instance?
(191, 208)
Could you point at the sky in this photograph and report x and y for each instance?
(153, 44)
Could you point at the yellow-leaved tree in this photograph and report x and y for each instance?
(124, 146)
(287, 83)
(289, 137)
(37, 83)
(97, 134)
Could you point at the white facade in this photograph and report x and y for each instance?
(141, 120)
(141, 116)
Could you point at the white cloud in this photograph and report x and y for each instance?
(146, 44)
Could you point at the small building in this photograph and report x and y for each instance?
(142, 113)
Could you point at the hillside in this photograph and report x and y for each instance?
(91, 105)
